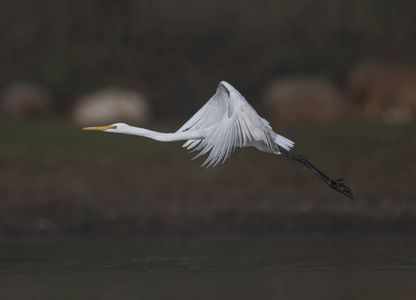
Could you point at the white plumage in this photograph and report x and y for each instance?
(232, 122)
(225, 122)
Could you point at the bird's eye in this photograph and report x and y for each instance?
(113, 127)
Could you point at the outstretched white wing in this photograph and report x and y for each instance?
(209, 114)
(233, 123)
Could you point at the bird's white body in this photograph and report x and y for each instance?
(225, 122)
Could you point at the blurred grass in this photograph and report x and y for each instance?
(57, 178)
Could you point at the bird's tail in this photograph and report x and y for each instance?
(283, 142)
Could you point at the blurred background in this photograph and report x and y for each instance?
(337, 77)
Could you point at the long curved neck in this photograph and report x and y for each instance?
(166, 137)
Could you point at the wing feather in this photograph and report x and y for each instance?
(233, 123)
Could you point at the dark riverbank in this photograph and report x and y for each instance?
(58, 179)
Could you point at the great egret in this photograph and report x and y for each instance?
(225, 122)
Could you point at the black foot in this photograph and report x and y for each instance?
(340, 186)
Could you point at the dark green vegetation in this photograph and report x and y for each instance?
(57, 178)
(178, 52)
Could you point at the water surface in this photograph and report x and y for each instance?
(291, 266)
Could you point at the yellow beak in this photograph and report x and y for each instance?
(100, 128)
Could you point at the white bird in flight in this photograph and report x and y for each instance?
(225, 122)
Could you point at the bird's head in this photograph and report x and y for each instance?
(117, 128)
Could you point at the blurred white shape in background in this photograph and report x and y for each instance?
(111, 105)
(26, 101)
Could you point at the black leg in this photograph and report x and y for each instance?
(337, 185)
